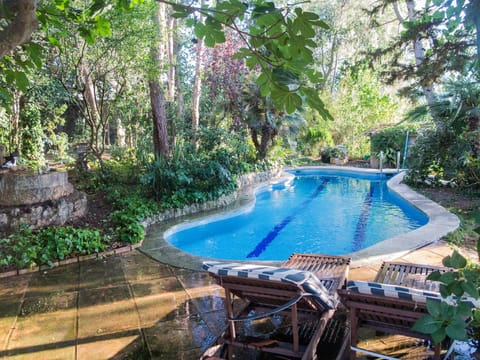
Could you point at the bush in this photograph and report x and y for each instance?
(197, 175)
(390, 141)
(334, 152)
(132, 208)
(313, 139)
(440, 155)
(452, 143)
(28, 248)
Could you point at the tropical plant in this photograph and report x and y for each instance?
(451, 144)
(449, 318)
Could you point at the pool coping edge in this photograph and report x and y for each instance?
(440, 223)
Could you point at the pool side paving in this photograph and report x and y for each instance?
(155, 303)
(127, 306)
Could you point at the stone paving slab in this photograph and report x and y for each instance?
(127, 306)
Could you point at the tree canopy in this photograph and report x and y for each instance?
(277, 40)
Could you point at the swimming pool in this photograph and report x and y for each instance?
(328, 212)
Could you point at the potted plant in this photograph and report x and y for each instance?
(334, 155)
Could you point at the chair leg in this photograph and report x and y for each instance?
(296, 340)
(437, 349)
(353, 332)
(231, 324)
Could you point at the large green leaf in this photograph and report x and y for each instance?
(434, 308)
(427, 325)
(102, 27)
(439, 335)
(285, 99)
(470, 288)
(302, 25)
(456, 260)
(457, 330)
(312, 99)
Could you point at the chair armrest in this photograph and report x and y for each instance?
(409, 275)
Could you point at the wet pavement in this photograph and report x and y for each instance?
(128, 306)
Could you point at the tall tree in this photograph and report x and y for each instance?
(276, 38)
(157, 94)
(197, 86)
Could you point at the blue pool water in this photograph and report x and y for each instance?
(316, 212)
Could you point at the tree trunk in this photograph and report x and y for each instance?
(160, 134)
(171, 57)
(197, 87)
(21, 26)
(419, 52)
(157, 96)
(91, 108)
(178, 86)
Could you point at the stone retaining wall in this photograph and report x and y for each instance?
(26, 187)
(54, 212)
(38, 200)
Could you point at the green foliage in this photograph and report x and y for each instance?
(313, 139)
(28, 248)
(449, 149)
(188, 178)
(359, 105)
(191, 176)
(447, 319)
(131, 208)
(127, 226)
(279, 42)
(334, 152)
(469, 230)
(442, 28)
(32, 134)
(390, 141)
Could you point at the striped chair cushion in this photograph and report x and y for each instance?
(405, 293)
(305, 280)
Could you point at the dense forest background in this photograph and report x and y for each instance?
(221, 87)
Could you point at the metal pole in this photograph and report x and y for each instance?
(398, 161)
(405, 150)
(381, 161)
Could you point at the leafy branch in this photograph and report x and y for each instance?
(449, 318)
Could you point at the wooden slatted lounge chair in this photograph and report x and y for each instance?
(392, 303)
(299, 296)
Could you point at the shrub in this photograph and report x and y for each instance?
(390, 141)
(43, 247)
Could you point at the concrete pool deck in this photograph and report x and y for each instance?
(127, 306)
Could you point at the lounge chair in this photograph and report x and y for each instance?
(299, 297)
(392, 303)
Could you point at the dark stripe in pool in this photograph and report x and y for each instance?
(361, 229)
(262, 245)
